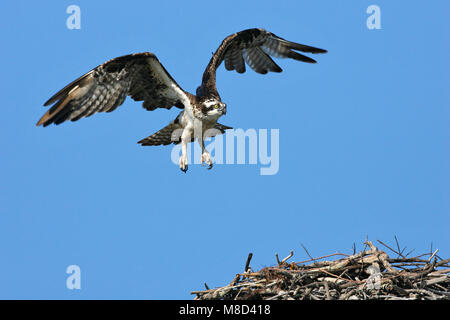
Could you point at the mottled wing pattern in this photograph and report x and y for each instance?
(254, 47)
(140, 76)
(172, 134)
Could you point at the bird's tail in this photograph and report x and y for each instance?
(172, 134)
(167, 135)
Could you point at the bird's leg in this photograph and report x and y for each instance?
(206, 157)
(183, 158)
(185, 138)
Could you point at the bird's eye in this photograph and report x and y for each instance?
(217, 106)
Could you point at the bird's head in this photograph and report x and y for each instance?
(213, 108)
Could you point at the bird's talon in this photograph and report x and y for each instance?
(183, 163)
(206, 160)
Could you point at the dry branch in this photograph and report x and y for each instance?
(369, 274)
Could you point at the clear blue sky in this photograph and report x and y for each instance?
(364, 145)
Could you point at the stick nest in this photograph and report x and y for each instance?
(369, 274)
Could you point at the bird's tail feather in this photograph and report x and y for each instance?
(172, 134)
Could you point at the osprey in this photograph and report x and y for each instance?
(142, 77)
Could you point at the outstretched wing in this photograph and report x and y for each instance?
(254, 47)
(140, 76)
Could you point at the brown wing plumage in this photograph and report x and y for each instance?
(254, 47)
(140, 76)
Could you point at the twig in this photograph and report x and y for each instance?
(432, 256)
(307, 252)
(323, 257)
(288, 257)
(397, 252)
(278, 259)
(327, 290)
(247, 263)
(398, 247)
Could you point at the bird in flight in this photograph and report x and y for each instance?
(142, 77)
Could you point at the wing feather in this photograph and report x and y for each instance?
(238, 60)
(259, 61)
(255, 46)
(140, 76)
